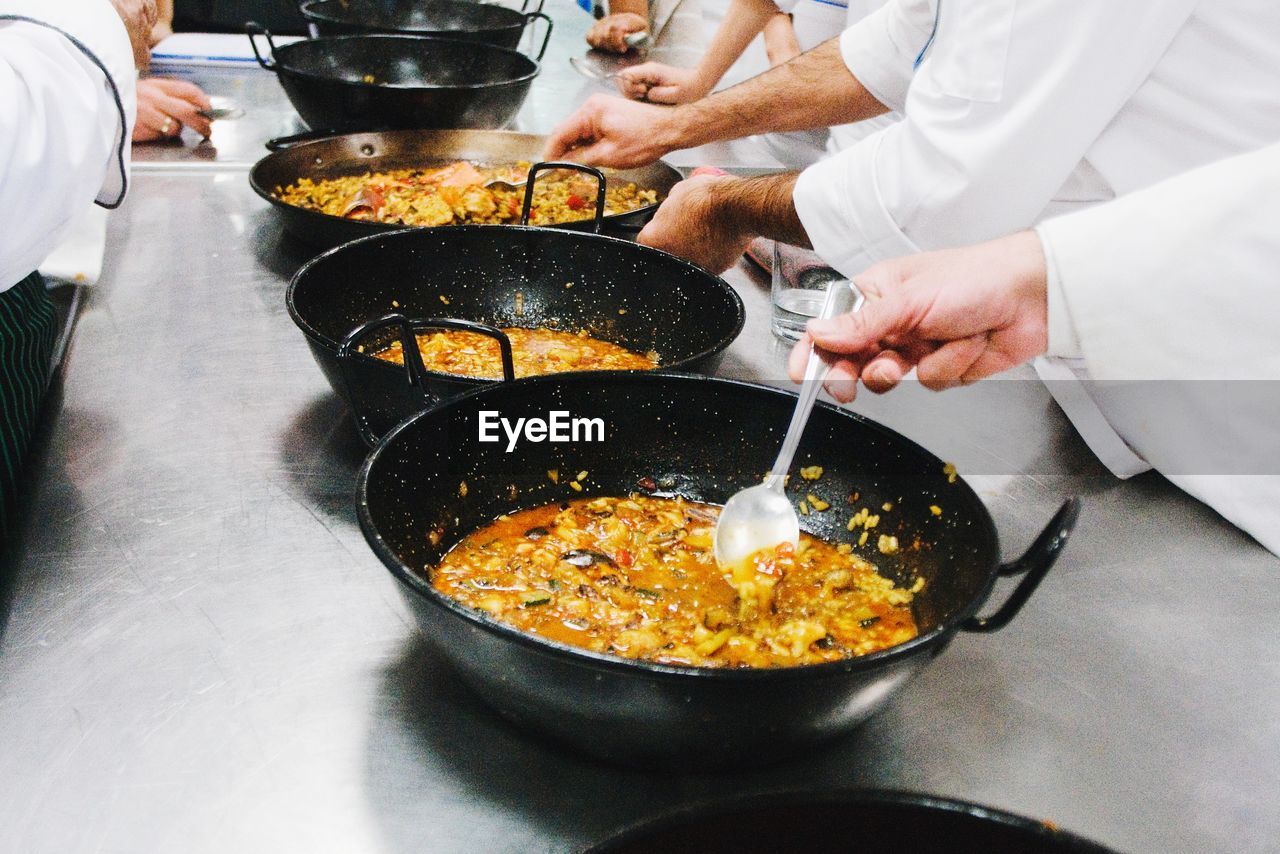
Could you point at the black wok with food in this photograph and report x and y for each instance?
(332, 156)
(704, 439)
(616, 290)
(388, 82)
(866, 820)
(478, 22)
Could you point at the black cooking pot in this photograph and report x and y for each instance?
(455, 19)
(865, 820)
(319, 156)
(704, 439)
(382, 82)
(369, 292)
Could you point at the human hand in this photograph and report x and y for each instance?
(139, 17)
(956, 316)
(660, 84)
(693, 224)
(165, 105)
(611, 131)
(610, 32)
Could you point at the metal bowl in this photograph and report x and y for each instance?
(371, 291)
(389, 82)
(862, 820)
(702, 438)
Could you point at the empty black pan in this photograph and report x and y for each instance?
(853, 820)
(456, 19)
(703, 438)
(385, 82)
(369, 292)
(331, 156)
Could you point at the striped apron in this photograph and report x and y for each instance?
(28, 330)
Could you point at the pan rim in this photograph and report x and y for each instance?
(577, 656)
(308, 11)
(268, 160)
(852, 795)
(282, 66)
(731, 334)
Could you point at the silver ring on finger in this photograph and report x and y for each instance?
(167, 125)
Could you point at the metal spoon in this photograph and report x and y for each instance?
(761, 516)
(592, 72)
(641, 41)
(509, 186)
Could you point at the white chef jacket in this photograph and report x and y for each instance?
(1019, 110)
(815, 22)
(1172, 298)
(66, 114)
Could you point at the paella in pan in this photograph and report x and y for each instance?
(460, 193)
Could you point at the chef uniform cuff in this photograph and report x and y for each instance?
(1064, 341)
(840, 207)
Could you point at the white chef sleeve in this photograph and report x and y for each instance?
(1172, 292)
(1179, 280)
(1004, 106)
(881, 49)
(67, 84)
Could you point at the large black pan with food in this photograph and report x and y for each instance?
(357, 298)
(332, 156)
(479, 22)
(861, 820)
(388, 82)
(705, 439)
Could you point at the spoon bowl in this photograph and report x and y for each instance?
(757, 515)
(761, 517)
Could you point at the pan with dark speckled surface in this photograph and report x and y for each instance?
(641, 298)
(702, 438)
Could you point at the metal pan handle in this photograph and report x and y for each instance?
(280, 143)
(414, 367)
(1035, 563)
(590, 170)
(524, 5)
(504, 343)
(546, 36)
(253, 28)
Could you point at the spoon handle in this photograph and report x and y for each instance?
(842, 296)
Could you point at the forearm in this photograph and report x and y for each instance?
(762, 207)
(813, 90)
(635, 7)
(742, 23)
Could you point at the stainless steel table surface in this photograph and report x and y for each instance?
(557, 89)
(200, 654)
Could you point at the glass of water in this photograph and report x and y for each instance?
(800, 280)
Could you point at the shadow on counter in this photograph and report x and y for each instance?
(320, 453)
(431, 729)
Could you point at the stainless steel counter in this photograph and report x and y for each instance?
(201, 655)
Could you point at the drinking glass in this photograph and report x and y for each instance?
(800, 280)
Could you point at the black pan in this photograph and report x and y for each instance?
(371, 291)
(480, 22)
(705, 439)
(332, 156)
(865, 820)
(383, 82)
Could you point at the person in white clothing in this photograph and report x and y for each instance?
(1012, 112)
(67, 73)
(1168, 295)
(789, 27)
